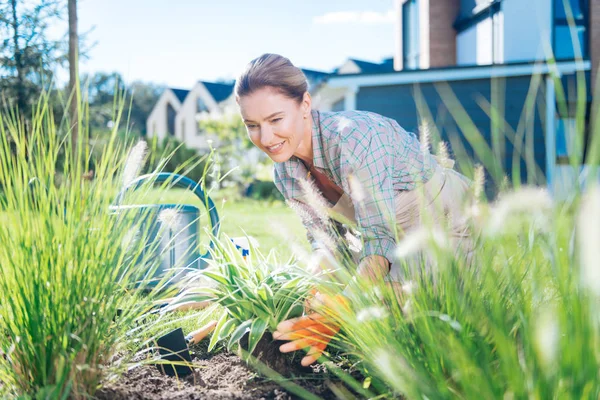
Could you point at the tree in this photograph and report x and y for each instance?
(102, 90)
(27, 56)
(143, 98)
(73, 70)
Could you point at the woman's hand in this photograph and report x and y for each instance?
(315, 330)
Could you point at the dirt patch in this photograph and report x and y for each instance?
(267, 352)
(222, 376)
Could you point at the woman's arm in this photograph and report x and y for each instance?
(366, 168)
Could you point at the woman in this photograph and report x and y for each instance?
(367, 168)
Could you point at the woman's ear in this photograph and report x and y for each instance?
(306, 105)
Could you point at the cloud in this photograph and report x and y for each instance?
(355, 17)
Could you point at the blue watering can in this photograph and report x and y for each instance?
(177, 246)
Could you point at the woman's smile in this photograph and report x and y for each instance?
(276, 148)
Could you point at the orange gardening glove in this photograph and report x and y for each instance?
(313, 331)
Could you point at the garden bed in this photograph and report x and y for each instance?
(219, 376)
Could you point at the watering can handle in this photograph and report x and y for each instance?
(182, 182)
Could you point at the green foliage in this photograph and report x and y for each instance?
(103, 88)
(69, 266)
(237, 155)
(256, 293)
(263, 190)
(181, 159)
(518, 321)
(27, 55)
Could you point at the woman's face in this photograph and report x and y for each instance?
(277, 124)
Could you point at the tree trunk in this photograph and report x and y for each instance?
(73, 71)
(21, 95)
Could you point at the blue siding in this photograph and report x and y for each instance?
(399, 102)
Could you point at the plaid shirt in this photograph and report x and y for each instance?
(371, 158)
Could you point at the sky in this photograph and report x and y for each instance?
(178, 42)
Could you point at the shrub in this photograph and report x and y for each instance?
(69, 266)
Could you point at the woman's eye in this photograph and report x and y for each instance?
(276, 120)
(250, 126)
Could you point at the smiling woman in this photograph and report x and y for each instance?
(275, 106)
(363, 166)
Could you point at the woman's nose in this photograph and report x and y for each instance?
(266, 135)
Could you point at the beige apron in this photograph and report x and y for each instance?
(442, 199)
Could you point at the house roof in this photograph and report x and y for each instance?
(367, 67)
(312, 73)
(219, 91)
(456, 72)
(180, 94)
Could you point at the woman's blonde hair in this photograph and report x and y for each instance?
(275, 71)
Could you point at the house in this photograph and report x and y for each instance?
(178, 116)
(178, 112)
(161, 121)
(483, 71)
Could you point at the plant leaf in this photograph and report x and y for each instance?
(257, 330)
(229, 326)
(216, 277)
(215, 336)
(239, 332)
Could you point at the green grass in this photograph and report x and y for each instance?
(68, 265)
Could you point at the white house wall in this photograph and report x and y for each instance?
(229, 106)
(156, 124)
(186, 122)
(527, 29)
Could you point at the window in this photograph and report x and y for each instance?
(410, 35)
(571, 19)
(171, 113)
(201, 106)
(571, 142)
(565, 135)
(480, 38)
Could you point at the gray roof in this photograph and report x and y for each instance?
(219, 91)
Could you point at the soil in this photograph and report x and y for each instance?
(267, 352)
(219, 376)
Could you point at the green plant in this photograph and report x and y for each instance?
(70, 268)
(263, 190)
(515, 319)
(255, 293)
(520, 321)
(170, 155)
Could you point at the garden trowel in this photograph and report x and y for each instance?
(173, 347)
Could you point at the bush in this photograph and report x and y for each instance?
(263, 190)
(170, 155)
(69, 266)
